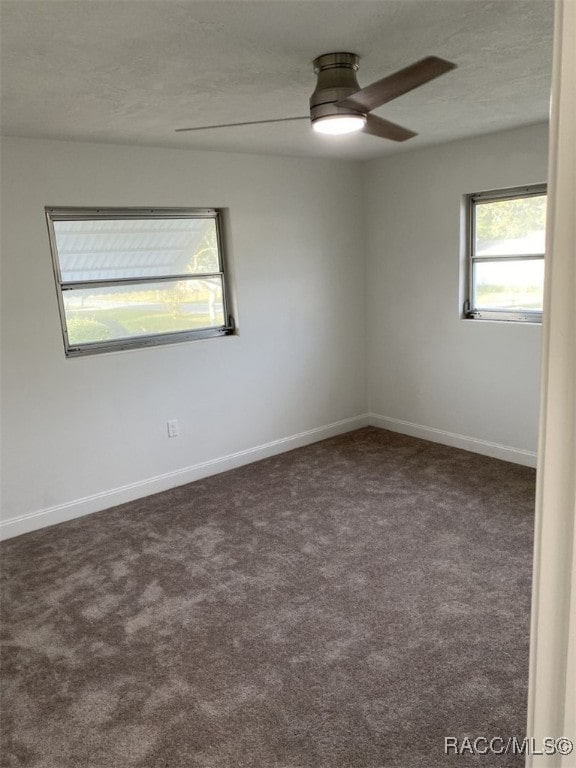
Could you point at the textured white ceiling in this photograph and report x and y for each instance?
(131, 71)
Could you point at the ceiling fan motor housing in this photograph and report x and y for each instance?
(336, 73)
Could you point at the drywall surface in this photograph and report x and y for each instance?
(432, 374)
(82, 434)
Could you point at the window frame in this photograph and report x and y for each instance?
(56, 213)
(468, 311)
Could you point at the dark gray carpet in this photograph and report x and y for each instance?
(344, 605)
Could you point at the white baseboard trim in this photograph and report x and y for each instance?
(32, 521)
(474, 444)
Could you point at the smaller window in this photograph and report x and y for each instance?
(133, 278)
(506, 243)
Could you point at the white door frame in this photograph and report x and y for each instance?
(552, 683)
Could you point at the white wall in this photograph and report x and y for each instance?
(307, 237)
(469, 383)
(83, 434)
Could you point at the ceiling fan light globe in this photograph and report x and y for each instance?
(338, 125)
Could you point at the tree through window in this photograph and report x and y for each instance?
(507, 234)
(130, 277)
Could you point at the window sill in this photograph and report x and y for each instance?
(134, 344)
(495, 317)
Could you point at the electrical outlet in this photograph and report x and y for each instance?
(173, 428)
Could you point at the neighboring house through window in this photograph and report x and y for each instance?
(138, 277)
(506, 243)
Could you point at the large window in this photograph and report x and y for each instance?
(131, 277)
(506, 239)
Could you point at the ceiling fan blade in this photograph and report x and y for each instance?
(382, 91)
(234, 125)
(376, 126)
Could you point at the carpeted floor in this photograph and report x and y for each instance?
(345, 605)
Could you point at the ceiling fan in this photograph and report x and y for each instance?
(338, 104)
